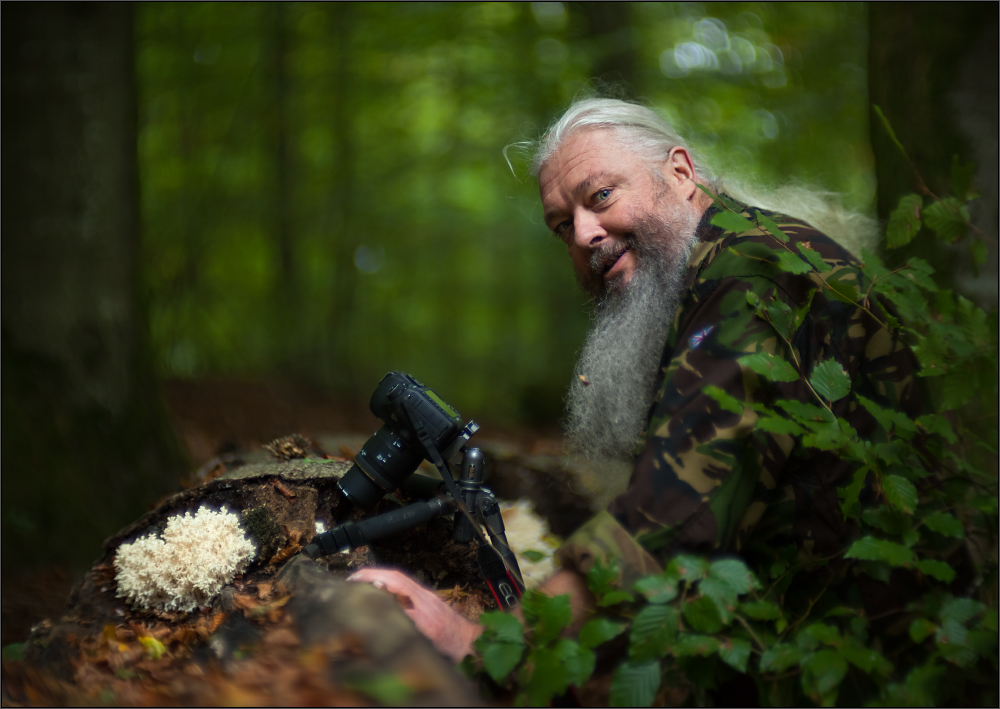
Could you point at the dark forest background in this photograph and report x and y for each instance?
(311, 195)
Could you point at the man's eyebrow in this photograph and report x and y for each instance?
(585, 186)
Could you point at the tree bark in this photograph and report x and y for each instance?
(932, 69)
(86, 442)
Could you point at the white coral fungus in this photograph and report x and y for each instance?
(188, 565)
(528, 532)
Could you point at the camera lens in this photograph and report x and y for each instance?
(383, 464)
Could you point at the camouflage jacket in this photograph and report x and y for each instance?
(709, 480)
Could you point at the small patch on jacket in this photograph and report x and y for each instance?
(698, 337)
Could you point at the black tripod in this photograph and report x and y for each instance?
(476, 505)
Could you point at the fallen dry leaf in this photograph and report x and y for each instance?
(284, 554)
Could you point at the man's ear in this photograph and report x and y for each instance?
(678, 169)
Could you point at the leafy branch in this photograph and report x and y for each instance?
(810, 645)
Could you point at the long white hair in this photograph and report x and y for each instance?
(644, 131)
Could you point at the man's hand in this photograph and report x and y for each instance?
(451, 634)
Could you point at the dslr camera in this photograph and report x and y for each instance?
(414, 417)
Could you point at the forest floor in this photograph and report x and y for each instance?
(218, 417)
(225, 426)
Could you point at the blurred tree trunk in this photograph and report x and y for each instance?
(608, 28)
(932, 68)
(86, 443)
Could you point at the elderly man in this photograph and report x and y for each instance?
(674, 314)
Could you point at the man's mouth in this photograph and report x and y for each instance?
(606, 262)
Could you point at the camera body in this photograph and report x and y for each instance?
(389, 457)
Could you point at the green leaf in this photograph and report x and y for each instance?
(866, 659)
(657, 589)
(822, 673)
(957, 653)
(635, 685)
(781, 317)
(725, 401)
(830, 380)
(948, 219)
(548, 615)
(844, 291)
(904, 222)
(505, 627)
(830, 436)
(384, 687)
(653, 631)
(602, 577)
(533, 555)
(792, 263)
(690, 645)
(900, 492)
(722, 594)
(889, 519)
(578, 661)
(689, 568)
(613, 598)
(599, 630)
(961, 610)
(735, 652)
(499, 658)
(872, 549)
(549, 676)
(761, 610)
(887, 418)
(702, 615)
(780, 426)
(780, 657)
(13, 652)
(731, 221)
(851, 494)
(735, 574)
(814, 258)
(946, 524)
(921, 629)
(920, 272)
(938, 569)
(773, 228)
(826, 634)
(154, 648)
(770, 367)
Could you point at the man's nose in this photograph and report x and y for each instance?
(587, 230)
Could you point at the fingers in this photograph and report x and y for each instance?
(450, 633)
(391, 580)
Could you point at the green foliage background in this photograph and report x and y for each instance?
(324, 196)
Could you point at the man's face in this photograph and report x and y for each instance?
(602, 199)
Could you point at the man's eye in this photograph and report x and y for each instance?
(561, 228)
(602, 195)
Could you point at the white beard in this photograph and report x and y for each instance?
(613, 383)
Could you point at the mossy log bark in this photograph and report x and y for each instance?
(287, 631)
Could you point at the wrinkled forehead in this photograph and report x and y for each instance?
(607, 137)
